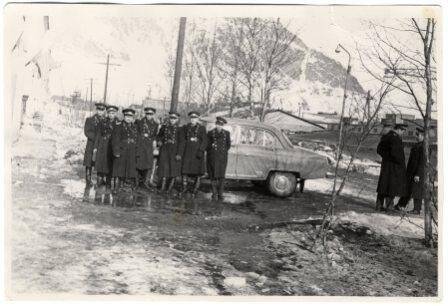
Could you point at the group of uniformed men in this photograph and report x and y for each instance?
(396, 178)
(121, 151)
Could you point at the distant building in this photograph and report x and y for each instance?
(291, 123)
(412, 123)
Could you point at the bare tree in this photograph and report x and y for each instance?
(206, 56)
(276, 56)
(367, 114)
(249, 52)
(410, 69)
(230, 39)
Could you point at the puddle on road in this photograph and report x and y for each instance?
(143, 200)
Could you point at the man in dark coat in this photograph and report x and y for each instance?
(192, 145)
(147, 133)
(169, 161)
(103, 147)
(124, 147)
(392, 180)
(387, 126)
(90, 130)
(414, 175)
(218, 145)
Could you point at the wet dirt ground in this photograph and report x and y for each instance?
(159, 244)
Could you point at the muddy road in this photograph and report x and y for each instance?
(149, 243)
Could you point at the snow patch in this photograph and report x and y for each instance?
(325, 185)
(236, 282)
(386, 224)
(73, 188)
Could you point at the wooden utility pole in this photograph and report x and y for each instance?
(91, 91)
(178, 67)
(107, 77)
(85, 100)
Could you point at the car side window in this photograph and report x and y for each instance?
(250, 136)
(271, 141)
(258, 137)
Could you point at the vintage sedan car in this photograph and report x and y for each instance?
(262, 154)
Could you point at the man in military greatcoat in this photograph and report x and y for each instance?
(218, 145)
(147, 133)
(192, 146)
(90, 131)
(169, 161)
(124, 148)
(103, 147)
(392, 179)
(387, 126)
(414, 175)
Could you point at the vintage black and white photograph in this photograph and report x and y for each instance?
(222, 150)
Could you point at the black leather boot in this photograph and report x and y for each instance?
(197, 184)
(99, 190)
(147, 179)
(221, 189)
(214, 189)
(89, 176)
(171, 185)
(184, 185)
(163, 186)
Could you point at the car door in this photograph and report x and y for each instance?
(256, 150)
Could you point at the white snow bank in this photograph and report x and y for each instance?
(358, 165)
(325, 185)
(386, 224)
(73, 188)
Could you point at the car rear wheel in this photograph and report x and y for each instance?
(282, 184)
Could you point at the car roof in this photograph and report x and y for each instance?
(246, 122)
(256, 124)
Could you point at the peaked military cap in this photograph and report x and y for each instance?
(193, 114)
(110, 108)
(128, 111)
(100, 105)
(220, 120)
(149, 110)
(174, 114)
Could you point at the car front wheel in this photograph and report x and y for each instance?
(282, 184)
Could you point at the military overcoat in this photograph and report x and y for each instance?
(91, 127)
(168, 165)
(147, 133)
(392, 179)
(218, 145)
(192, 146)
(103, 146)
(415, 168)
(124, 148)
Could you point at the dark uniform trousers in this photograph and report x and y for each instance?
(192, 145)
(147, 133)
(219, 143)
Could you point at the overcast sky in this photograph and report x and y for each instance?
(321, 28)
